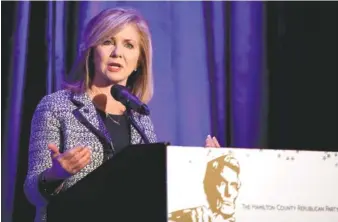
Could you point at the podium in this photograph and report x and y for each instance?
(160, 183)
(131, 186)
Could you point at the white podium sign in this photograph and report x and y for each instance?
(245, 185)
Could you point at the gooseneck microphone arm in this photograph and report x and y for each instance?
(131, 118)
(123, 95)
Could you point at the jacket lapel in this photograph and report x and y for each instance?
(86, 114)
(135, 137)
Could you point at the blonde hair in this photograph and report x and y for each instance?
(104, 25)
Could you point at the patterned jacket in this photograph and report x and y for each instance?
(67, 120)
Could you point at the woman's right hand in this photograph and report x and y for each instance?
(68, 163)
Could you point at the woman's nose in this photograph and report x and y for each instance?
(116, 52)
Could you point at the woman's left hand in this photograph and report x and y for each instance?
(211, 142)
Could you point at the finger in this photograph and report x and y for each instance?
(52, 147)
(74, 158)
(208, 140)
(54, 150)
(209, 144)
(212, 142)
(69, 154)
(75, 150)
(70, 160)
(216, 142)
(82, 163)
(82, 151)
(78, 156)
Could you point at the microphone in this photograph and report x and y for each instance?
(122, 94)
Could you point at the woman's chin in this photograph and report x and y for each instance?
(111, 82)
(114, 80)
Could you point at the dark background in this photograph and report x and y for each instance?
(302, 55)
(302, 62)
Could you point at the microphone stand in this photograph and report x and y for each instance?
(137, 127)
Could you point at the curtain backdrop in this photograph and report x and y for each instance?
(208, 70)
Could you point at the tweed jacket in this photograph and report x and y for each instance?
(67, 120)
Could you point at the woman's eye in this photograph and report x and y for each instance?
(107, 42)
(130, 46)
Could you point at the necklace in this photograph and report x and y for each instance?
(114, 121)
(106, 114)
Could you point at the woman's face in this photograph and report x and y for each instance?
(116, 58)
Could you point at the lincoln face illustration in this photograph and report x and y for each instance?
(221, 186)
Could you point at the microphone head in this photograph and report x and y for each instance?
(116, 91)
(123, 95)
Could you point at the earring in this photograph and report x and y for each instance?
(135, 70)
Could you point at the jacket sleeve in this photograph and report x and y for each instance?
(45, 129)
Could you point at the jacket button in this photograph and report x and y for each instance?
(86, 110)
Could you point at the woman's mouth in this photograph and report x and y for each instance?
(114, 67)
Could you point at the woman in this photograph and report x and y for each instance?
(83, 125)
(76, 129)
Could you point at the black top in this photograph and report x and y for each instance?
(118, 127)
